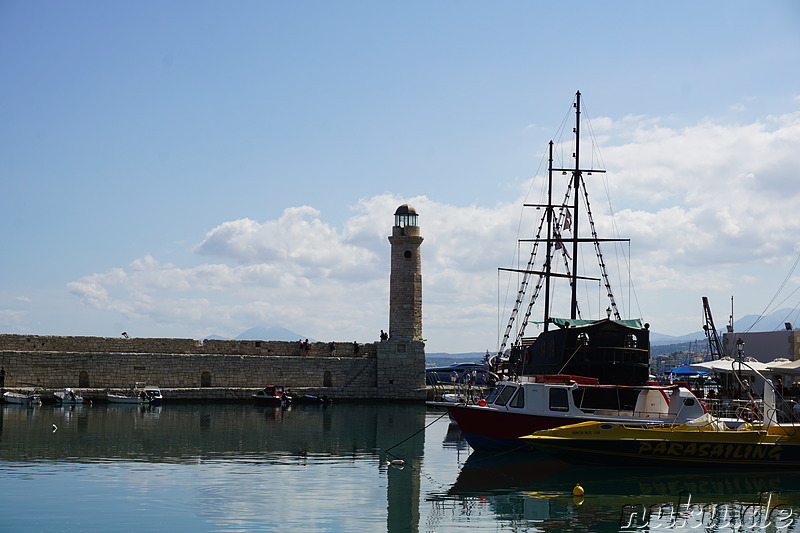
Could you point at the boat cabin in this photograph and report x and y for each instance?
(546, 396)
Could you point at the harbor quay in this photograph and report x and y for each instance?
(212, 369)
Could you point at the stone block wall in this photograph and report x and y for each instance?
(55, 343)
(400, 369)
(376, 371)
(119, 370)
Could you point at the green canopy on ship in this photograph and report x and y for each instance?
(564, 322)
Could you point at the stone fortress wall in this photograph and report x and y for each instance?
(380, 370)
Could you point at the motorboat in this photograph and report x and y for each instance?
(68, 397)
(28, 397)
(704, 442)
(154, 393)
(138, 395)
(707, 445)
(308, 399)
(520, 407)
(271, 395)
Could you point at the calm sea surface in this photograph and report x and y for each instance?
(241, 468)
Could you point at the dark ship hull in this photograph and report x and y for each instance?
(616, 352)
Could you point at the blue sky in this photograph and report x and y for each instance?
(182, 169)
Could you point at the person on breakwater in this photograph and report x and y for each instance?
(305, 348)
(2, 377)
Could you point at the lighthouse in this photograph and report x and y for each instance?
(405, 283)
(401, 357)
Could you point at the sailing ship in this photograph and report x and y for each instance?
(576, 369)
(613, 350)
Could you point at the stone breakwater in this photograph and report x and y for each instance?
(217, 369)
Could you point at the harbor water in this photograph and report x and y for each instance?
(337, 468)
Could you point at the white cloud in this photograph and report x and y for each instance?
(708, 208)
(13, 320)
(298, 237)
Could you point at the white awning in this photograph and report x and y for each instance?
(727, 364)
(749, 366)
(784, 367)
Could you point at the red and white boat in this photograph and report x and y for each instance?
(532, 403)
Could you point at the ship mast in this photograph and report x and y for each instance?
(576, 178)
(547, 261)
(556, 241)
(577, 186)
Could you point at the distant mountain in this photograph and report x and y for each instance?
(274, 333)
(259, 333)
(659, 339)
(772, 322)
(444, 359)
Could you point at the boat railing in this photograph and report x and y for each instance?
(654, 414)
(462, 391)
(749, 410)
(612, 412)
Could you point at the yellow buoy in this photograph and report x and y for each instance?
(578, 490)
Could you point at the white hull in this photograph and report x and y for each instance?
(68, 397)
(16, 397)
(113, 398)
(150, 394)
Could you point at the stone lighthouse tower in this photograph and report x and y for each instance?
(405, 284)
(401, 358)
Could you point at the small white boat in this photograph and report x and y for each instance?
(271, 395)
(149, 394)
(68, 397)
(22, 397)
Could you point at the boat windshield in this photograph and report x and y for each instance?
(518, 401)
(494, 393)
(505, 395)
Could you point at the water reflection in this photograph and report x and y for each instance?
(324, 468)
(487, 472)
(214, 431)
(523, 491)
(211, 467)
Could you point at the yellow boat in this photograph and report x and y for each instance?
(705, 443)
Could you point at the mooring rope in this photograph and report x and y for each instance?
(415, 433)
